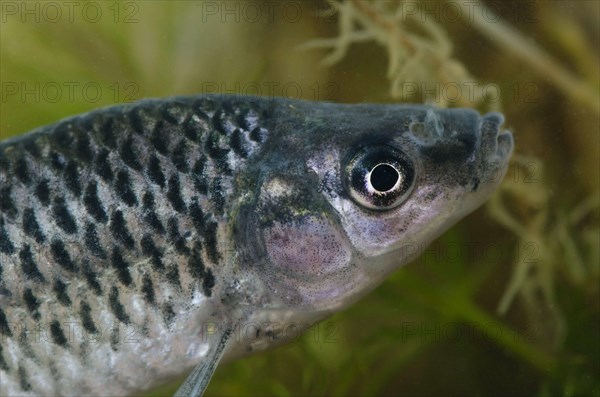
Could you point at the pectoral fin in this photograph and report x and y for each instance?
(197, 381)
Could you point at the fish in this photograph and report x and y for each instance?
(145, 241)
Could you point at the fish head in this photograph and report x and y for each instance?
(349, 193)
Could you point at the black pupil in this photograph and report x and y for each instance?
(384, 177)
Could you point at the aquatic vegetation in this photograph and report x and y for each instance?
(419, 50)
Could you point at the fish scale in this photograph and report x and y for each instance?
(88, 204)
(143, 241)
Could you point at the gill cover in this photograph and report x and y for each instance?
(294, 240)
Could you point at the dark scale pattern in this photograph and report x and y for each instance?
(32, 303)
(174, 194)
(210, 241)
(137, 123)
(57, 161)
(191, 129)
(218, 154)
(60, 289)
(119, 204)
(57, 334)
(92, 242)
(106, 133)
(175, 238)
(7, 204)
(91, 277)
(127, 152)
(29, 265)
(61, 256)
(24, 379)
(158, 138)
(199, 178)
(3, 364)
(237, 143)
(64, 219)
(121, 233)
(121, 267)
(6, 245)
(149, 249)
(257, 135)
(148, 290)
(197, 216)
(217, 196)
(150, 215)
(42, 192)
(208, 283)
(116, 306)
(31, 226)
(103, 168)
(4, 326)
(93, 204)
(71, 177)
(172, 275)
(218, 122)
(155, 171)
(124, 190)
(157, 263)
(168, 313)
(179, 157)
(196, 266)
(85, 311)
(83, 149)
(241, 119)
(22, 171)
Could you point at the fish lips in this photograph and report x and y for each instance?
(495, 147)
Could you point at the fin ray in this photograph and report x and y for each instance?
(197, 381)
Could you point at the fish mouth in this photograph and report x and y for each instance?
(495, 148)
(505, 144)
(496, 145)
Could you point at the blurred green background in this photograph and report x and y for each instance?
(506, 302)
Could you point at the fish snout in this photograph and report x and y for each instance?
(496, 144)
(495, 148)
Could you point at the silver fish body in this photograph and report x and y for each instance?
(130, 235)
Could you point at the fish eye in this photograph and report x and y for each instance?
(380, 177)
